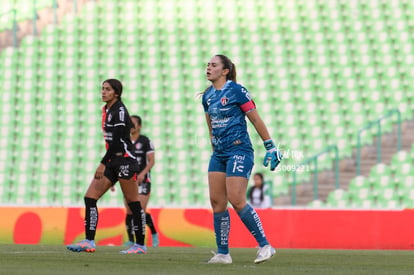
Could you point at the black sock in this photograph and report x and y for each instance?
(150, 224)
(91, 218)
(138, 221)
(128, 226)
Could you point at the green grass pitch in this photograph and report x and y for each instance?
(54, 259)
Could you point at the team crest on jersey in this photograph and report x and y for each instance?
(138, 145)
(109, 117)
(224, 101)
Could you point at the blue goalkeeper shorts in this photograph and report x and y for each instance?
(234, 164)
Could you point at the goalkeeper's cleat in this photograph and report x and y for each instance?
(155, 240)
(82, 246)
(128, 243)
(264, 253)
(219, 258)
(135, 249)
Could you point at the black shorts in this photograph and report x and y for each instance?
(144, 188)
(121, 168)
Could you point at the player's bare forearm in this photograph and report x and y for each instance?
(209, 128)
(258, 124)
(150, 164)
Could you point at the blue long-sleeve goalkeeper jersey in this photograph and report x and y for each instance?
(227, 109)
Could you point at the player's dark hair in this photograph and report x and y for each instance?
(116, 85)
(138, 118)
(260, 175)
(228, 64)
(250, 193)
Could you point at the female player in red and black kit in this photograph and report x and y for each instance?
(119, 163)
(144, 151)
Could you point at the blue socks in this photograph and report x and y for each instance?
(252, 221)
(222, 229)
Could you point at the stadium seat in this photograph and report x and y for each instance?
(338, 198)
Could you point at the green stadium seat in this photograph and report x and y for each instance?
(401, 163)
(385, 195)
(380, 169)
(316, 204)
(338, 198)
(359, 189)
(408, 198)
(358, 182)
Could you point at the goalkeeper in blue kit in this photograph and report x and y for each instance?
(226, 104)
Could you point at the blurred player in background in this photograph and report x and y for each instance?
(226, 104)
(145, 154)
(118, 164)
(257, 194)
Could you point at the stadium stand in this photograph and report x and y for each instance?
(386, 186)
(318, 70)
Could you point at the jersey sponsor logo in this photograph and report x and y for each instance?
(217, 122)
(224, 100)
